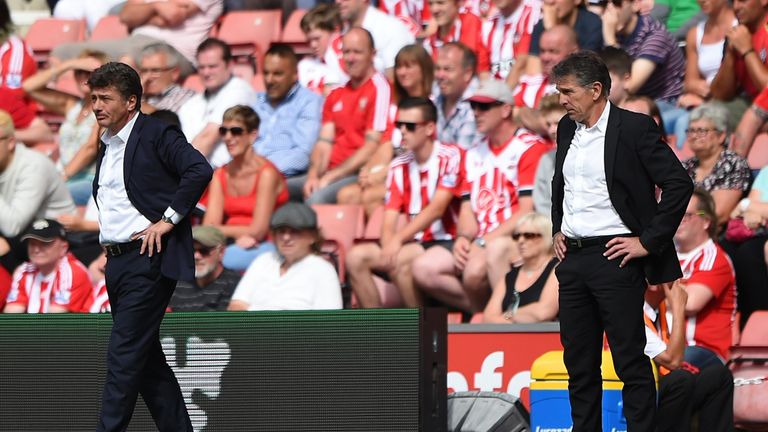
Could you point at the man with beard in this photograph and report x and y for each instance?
(214, 284)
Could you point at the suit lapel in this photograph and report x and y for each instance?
(611, 143)
(563, 144)
(130, 147)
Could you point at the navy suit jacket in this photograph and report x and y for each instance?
(162, 169)
(636, 161)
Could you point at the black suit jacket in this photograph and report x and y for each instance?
(162, 169)
(636, 161)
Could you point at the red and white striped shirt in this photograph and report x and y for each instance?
(497, 177)
(467, 29)
(413, 13)
(99, 299)
(531, 89)
(709, 265)
(68, 286)
(507, 38)
(315, 75)
(16, 62)
(410, 187)
(353, 111)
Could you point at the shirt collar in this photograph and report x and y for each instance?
(124, 133)
(602, 121)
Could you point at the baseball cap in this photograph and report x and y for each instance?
(45, 230)
(493, 90)
(208, 236)
(294, 215)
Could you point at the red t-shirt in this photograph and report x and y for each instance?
(410, 188)
(16, 63)
(5, 286)
(68, 286)
(467, 29)
(711, 327)
(13, 102)
(760, 45)
(353, 111)
(496, 177)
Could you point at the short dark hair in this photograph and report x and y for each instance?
(211, 43)
(468, 57)
(617, 60)
(587, 67)
(427, 107)
(323, 16)
(245, 114)
(283, 51)
(120, 76)
(706, 205)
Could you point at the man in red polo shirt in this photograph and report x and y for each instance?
(743, 68)
(709, 278)
(456, 26)
(354, 116)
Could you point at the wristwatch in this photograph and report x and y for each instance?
(480, 242)
(167, 220)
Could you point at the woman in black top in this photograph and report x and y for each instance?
(529, 291)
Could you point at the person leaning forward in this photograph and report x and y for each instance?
(611, 235)
(148, 179)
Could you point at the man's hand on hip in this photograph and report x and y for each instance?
(629, 247)
(153, 237)
(558, 242)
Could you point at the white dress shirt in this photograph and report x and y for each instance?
(118, 218)
(587, 208)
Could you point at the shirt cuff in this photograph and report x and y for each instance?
(172, 215)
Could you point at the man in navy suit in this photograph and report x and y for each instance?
(148, 178)
(611, 235)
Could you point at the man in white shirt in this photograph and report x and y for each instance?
(148, 179)
(201, 116)
(610, 234)
(389, 33)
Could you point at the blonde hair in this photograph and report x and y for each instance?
(541, 223)
(6, 123)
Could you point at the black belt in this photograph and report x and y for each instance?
(585, 242)
(117, 249)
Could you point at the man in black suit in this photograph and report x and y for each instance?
(611, 235)
(148, 178)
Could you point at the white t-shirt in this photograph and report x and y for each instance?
(309, 284)
(389, 36)
(201, 109)
(188, 35)
(315, 75)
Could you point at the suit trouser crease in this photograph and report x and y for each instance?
(597, 295)
(136, 364)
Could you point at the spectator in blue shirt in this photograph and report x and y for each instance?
(290, 117)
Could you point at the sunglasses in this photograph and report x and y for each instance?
(235, 130)
(483, 106)
(526, 235)
(409, 126)
(204, 251)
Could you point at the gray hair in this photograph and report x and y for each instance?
(714, 112)
(171, 55)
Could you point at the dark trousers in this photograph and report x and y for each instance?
(138, 296)
(595, 296)
(751, 274)
(708, 393)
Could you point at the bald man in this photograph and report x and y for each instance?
(555, 45)
(354, 116)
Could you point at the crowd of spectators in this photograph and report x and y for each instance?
(440, 114)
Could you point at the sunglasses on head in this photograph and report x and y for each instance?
(235, 130)
(483, 106)
(409, 126)
(526, 235)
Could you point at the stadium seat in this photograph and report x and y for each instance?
(755, 332)
(340, 225)
(372, 230)
(293, 35)
(250, 33)
(109, 27)
(758, 154)
(45, 34)
(257, 82)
